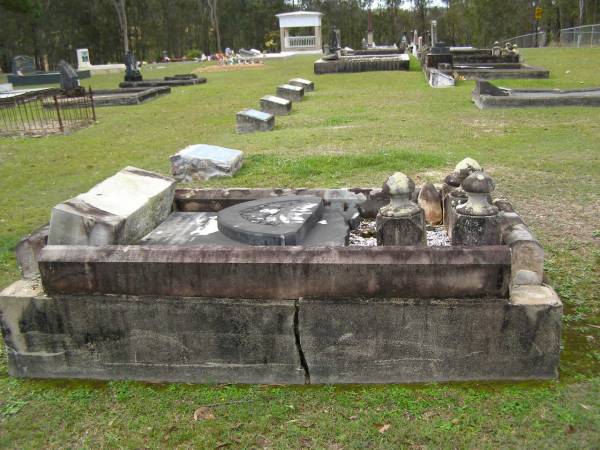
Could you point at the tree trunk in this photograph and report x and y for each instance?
(122, 16)
(214, 20)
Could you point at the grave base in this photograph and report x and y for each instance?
(206, 340)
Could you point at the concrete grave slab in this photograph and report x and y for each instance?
(251, 120)
(277, 106)
(203, 162)
(308, 85)
(290, 92)
(119, 210)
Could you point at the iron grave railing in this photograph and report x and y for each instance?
(45, 111)
(301, 41)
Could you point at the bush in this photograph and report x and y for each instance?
(193, 53)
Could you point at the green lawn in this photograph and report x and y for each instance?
(354, 130)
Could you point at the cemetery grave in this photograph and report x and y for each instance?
(486, 95)
(134, 79)
(24, 73)
(246, 285)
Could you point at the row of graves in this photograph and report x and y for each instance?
(369, 58)
(43, 111)
(250, 120)
(139, 279)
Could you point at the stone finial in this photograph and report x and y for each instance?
(478, 187)
(465, 168)
(400, 188)
(452, 180)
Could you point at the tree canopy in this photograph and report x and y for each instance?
(57, 27)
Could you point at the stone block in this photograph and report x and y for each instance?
(203, 162)
(290, 92)
(426, 340)
(475, 230)
(251, 120)
(308, 85)
(275, 105)
(156, 339)
(527, 254)
(119, 210)
(28, 251)
(407, 230)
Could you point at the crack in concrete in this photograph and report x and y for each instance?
(303, 362)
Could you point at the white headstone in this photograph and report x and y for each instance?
(201, 161)
(83, 59)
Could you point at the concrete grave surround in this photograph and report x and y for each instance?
(119, 210)
(186, 303)
(203, 162)
(486, 95)
(277, 106)
(165, 82)
(251, 120)
(128, 96)
(290, 92)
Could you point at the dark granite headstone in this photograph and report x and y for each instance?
(69, 81)
(23, 64)
(132, 72)
(335, 41)
(277, 221)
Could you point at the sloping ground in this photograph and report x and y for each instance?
(354, 130)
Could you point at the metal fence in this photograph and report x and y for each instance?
(584, 36)
(531, 40)
(42, 112)
(301, 41)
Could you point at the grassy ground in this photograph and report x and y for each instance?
(353, 131)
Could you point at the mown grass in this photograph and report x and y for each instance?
(354, 130)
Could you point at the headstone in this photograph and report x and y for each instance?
(275, 105)
(69, 81)
(282, 220)
(335, 41)
(433, 33)
(83, 59)
(118, 211)
(132, 73)
(402, 222)
(251, 120)
(308, 85)
(477, 220)
(6, 87)
(429, 199)
(23, 64)
(203, 162)
(290, 92)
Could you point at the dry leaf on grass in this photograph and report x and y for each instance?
(384, 428)
(262, 442)
(204, 413)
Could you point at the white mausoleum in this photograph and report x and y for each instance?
(300, 19)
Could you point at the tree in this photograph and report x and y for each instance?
(122, 16)
(214, 20)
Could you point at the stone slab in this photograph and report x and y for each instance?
(424, 340)
(185, 229)
(277, 106)
(486, 96)
(42, 78)
(498, 70)
(128, 96)
(154, 83)
(251, 120)
(276, 221)
(349, 64)
(203, 162)
(119, 210)
(278, 272)
(308, 85)
(155, 339)
(290, 92)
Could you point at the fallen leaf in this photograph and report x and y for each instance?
(203, 413)
(570, 429)
(223, 444)
(263, 442)
(589, 408)
(384, 428)
(352, 417)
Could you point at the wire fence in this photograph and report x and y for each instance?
(43, 112)
(531, 40)
(584, 36)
